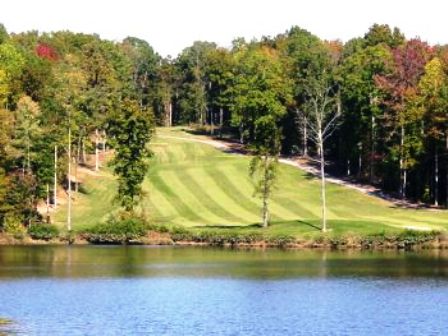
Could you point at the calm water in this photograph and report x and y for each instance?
(194, 291)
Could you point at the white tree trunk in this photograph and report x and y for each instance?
(221, 117)
(446, 170)
(305, 136)
(212, 125)
(372, 150)
(69, 178)
(265, 211)
(402, 170)
(322, 177)
(104, 142)
(348, 168)
(171, 114)
(48, 200)
(436, 178)
(83, 151)
(55, 182)
(96, 151)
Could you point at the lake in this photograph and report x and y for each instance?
(110, 290)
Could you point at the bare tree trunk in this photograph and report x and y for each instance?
(360, 161)
(405, 182)
(69, 191)
(446, 170)
(96, 151)
(83, 145)
(348, 167)
(402, 170)
(77, 160)
(305, 136)
(372, 150)
(171, 114)
(212, 125)
(221, 117)
(436, 177)
(104, 142)
(47, 203)
(322, 178)
(28, 160)
(241, 129)
(265, 211)
(55, 182)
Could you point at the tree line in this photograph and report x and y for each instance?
(378, 102)
(64, 98)
(375, 106)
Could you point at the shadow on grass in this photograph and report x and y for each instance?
(258, 225)
(318, 228)
(229, 227)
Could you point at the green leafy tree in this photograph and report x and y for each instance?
(361, 96)
(26, 130)
(131, 129)
(259, 88)
(266, 150)
(433, 98)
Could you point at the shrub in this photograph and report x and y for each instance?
(121, 230)
(14, 227)
(43, 231)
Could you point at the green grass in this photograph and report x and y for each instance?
(194, 185)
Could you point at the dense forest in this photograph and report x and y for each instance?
(379, 102)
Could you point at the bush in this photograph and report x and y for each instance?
(43, 231)
(122, 230)
(14, 227)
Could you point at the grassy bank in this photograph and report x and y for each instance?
(198, 188)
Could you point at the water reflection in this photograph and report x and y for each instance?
(135, 261)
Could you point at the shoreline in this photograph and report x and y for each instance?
(437, 242)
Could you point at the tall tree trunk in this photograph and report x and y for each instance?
(96, 151)
(47, 203)
(402, 170)
(241, 130)
(446, 169)
(221, 117)
(436, 177)
(28, 160)
(171, 114)
(348, 167)
(212, 125)
(322, 178)
(372, 151)
(405, 182)
(83, 145)
(104, 142)
(69, 189)
(77, 160)
(55, 181)
(305, 136)
(265, 211)
(360, 160)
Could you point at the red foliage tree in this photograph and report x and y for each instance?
(45, 51)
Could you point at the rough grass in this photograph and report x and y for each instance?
(194, 185)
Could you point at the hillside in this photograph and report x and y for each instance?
(193, 184)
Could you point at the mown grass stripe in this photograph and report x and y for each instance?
(192, 200)
(206, 200)
(172, 197)
(216, 199)
(294, 207)
(221, 179)
(244, 183)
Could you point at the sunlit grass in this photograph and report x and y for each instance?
(195, 185)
